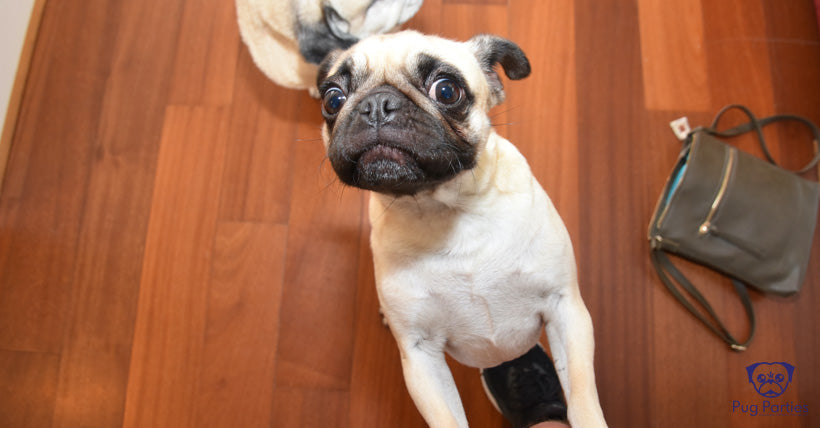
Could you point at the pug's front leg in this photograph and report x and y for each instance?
(431, 383)
(570, 335)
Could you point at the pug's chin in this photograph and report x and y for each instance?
(389, 170)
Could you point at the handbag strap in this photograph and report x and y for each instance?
(665, 268)
(757, 125)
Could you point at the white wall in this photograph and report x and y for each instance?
(14, 19)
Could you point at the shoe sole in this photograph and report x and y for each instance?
(487, 388)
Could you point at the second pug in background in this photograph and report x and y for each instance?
(288, 38)
(471, 257)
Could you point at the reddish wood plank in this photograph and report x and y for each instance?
(679, 331)
(541, 109)
(258, 174)
(171, 317)
(739, 67)
(464, 20)
(793, 54)
(310, 407)
(427, 19)
(29, 388)
(48, 171)
(206, 54)
(235, 383)
(95, 359)
(613, 260)
(807, 342)
(817, 10)
(477, 2)
(673, 55)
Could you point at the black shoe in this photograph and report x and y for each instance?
(526, 390)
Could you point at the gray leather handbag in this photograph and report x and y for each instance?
(749, 219)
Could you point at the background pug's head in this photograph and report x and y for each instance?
(405, 112)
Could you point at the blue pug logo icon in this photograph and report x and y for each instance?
(770, 379)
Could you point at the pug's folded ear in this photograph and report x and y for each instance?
(493, 50)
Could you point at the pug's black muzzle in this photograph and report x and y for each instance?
(389, 144)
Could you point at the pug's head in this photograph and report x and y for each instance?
(406, 112)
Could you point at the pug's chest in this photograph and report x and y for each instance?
(477, 283)
(481, 314)
(478, 268)
(482, 265)
(487, 301)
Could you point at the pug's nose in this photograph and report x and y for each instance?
(380, 107)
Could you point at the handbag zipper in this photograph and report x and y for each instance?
(706, 226)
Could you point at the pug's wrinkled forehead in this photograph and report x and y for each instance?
(413, 62)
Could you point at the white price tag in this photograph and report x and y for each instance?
(681, 128)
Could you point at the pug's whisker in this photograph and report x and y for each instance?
(341, 193)
(330, 183)
(307, 140)
(416, 200)
(495, 125)
(328, 186)
(322, 163)
(387, 208)
(507, 110)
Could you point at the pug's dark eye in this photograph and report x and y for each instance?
(446, 91)
(333, 100)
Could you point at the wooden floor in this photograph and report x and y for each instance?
(175, 250)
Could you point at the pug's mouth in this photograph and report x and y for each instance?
(388, 169)
(410, 153)
(384, 153)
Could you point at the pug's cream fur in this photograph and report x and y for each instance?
(476, 265)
